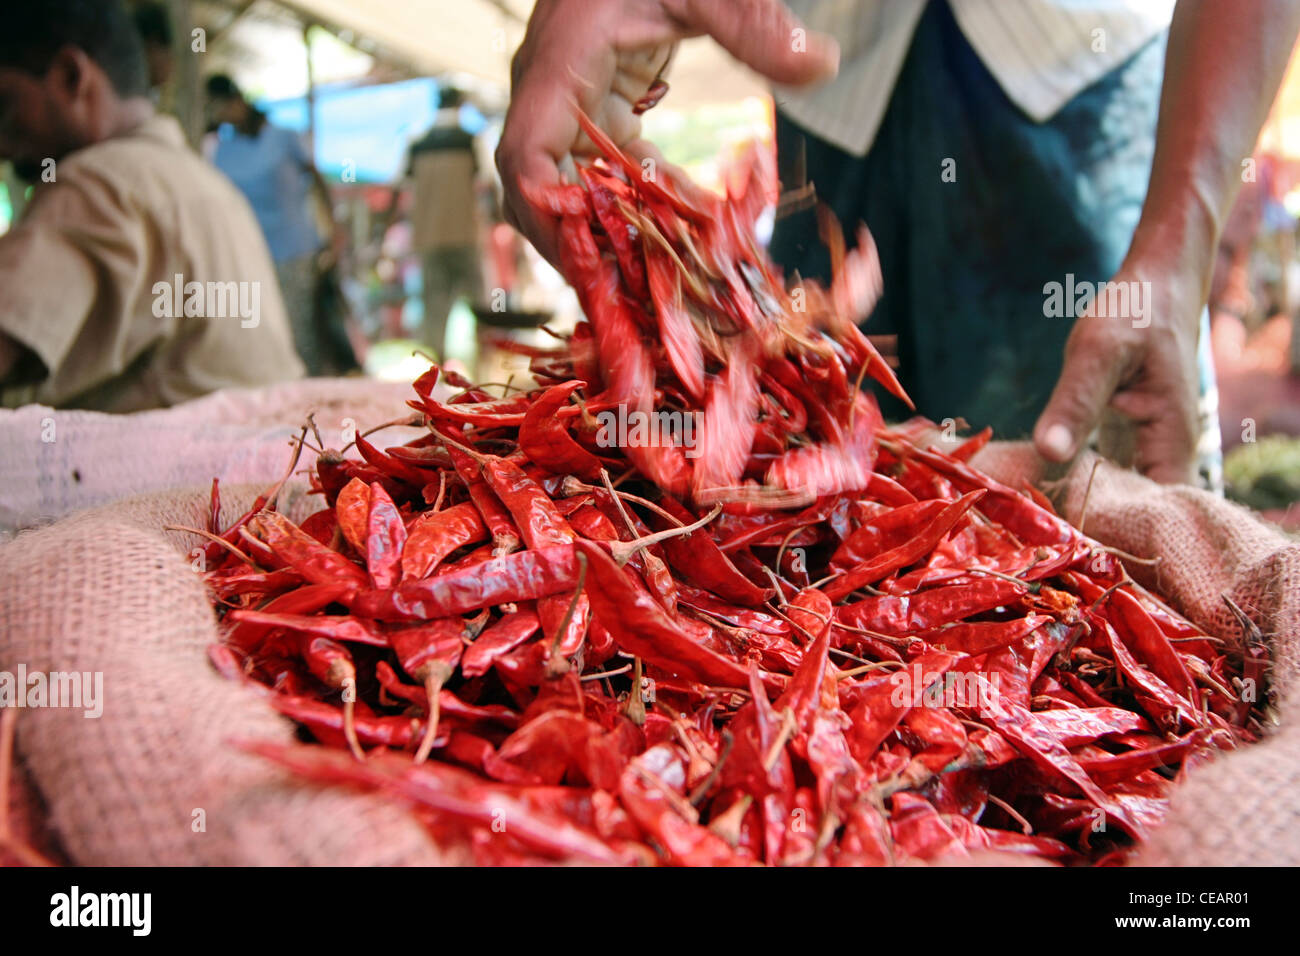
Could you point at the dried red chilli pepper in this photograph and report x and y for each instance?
(246, 635)
(315, 562)
(263, 584)
(699, 559)
(456, 794)
(214, 507)
(337, 627)
(622, 236)
(390, 466)
(542, 526)
(1044, 749)
(331, 663)
(756, 528)
(978, 637)
(871, 571)
(450, 705)
(1001, 583)
(473, 559)
(884, 489)
(326, 721)
(385, 539)
(1149, 643)
(811, 611)
(496, 518)
(429, 653)
(886, 531)
(498, 639)
(432, 536)
(642, 627)
(685, 842)
(972, 446)
(523, 576)
(420, 457)
(545, 438)
(505, 412)
(352, 506)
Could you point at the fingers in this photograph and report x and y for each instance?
(542, 230)
(607, 64)
(1166, 426)
(556, 70)
(1165, 461)
(764, 35)
(1094, 365)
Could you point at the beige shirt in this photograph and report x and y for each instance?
(445, 213)
(139, 278)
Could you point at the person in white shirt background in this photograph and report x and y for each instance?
(994, 147)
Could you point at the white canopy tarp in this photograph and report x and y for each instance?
(478, 37)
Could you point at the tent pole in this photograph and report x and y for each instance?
(311, 86)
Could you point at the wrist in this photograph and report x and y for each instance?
(1176, 239)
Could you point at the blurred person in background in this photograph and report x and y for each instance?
(444, 216)
(154, 23)
(993, 147)
(137, 277)
(272, 167)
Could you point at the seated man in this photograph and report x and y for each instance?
(137, 276)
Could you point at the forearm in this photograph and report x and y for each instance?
(1224, 64)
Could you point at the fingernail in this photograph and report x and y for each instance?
(1058, 441)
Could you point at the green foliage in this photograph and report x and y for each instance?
(1264, 474)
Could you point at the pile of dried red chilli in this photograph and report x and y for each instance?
(799, 639)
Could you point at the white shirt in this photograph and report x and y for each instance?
(1042, 52)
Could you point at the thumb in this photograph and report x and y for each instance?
(764, 35)
(1088, 379)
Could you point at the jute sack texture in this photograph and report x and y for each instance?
(154, 780)
(55, 463)
(107, 590)
(1243, 808)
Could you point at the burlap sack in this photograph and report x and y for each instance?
(1242, 809)
(153, 781)
(55, 463)
(107, 590)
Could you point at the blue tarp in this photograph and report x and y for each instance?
(367, 129)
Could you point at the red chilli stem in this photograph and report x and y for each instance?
(215, 539)
(624, 550)
(557, 665)
(349, 686)
(434, 678)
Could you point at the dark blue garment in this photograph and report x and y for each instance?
(965, 262)
(273, 170)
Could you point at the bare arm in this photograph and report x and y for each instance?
(1224, 64)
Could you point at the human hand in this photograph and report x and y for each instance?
(1138, 366)
(602, 56)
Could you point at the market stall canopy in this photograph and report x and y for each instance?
(478, 37)
(1281, 133)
